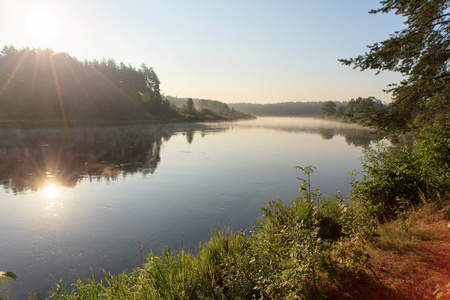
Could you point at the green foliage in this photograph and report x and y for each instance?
(9, 275)
(207, 110)
(420, 52)
(391, 175)
(189, 108)
(396, 177)
(360, 109)
(217, 107)
(208, 114)
(298, 248)
(340, 111)
(303, 246)
(289, 109)
(306, 184)
(328, 108)
(216, 110)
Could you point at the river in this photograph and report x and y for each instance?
(75, 200)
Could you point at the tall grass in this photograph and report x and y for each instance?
(296, 251)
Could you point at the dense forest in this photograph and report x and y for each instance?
(41, 84)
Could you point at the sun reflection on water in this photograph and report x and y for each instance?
(50, 191)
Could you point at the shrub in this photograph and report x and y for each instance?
(396, 177)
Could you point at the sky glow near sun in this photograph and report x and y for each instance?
(43, 26)
(231, 51)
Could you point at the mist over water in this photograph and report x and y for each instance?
(80, 199)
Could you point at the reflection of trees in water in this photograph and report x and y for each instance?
(30, 158)
(355, 135)
(358, 137)
(326, 133)
(190, 136)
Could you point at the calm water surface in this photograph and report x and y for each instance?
(76, 200)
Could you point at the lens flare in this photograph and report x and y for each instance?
(51, 191)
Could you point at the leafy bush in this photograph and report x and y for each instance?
(396, 177)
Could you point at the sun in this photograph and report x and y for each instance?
(43, 26)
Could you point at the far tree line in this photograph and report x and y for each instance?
(353, 110)
(284, 109)
(41, 84)
(207, 108)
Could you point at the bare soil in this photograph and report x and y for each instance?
(410, 271)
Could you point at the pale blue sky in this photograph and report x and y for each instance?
(233, 51)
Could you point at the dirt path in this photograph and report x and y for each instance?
(410, 272)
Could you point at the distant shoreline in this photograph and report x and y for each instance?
(72, 123)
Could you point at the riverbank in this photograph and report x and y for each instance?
(104, 122)
(300, 251)
(315, 247)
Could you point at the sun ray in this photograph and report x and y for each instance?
(77, 80)
(57, 87)
(118, 89)
(15, 70)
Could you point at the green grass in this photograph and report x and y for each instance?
(172, 275)
(288, 255)
(291, 254)
(410, 228)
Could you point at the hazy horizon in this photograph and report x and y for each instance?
(230, 51)
(275, 102)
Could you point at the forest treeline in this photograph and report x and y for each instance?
(206, 107)
(287, 109)
(353, 110)
(39, 84)
(42, 84)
